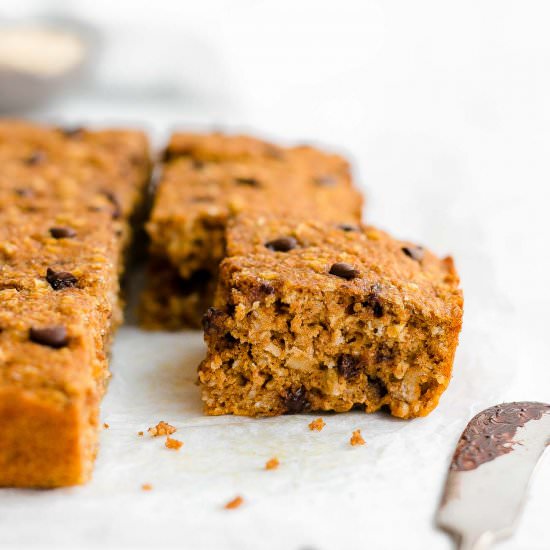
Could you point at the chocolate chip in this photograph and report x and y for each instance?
(212, 319)
(344, 270)
(281, 308)
(295, 401)
(258, 293)
(36, 158)
(72, 132)
(384, 353)
(53, 337)
(266, 288)
(373, 301)
(347, 227)
(229, 339)
(251, 182)
(24, 192)
(348, 366)
(414, 252)
(60, 279)
(326, 180)
(377, 309)
(62, 232)
(113, 199)
(282, 244)
(377, 386)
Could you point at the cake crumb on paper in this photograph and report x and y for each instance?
(146, 487)
(235, 503)
(140, 434)
(317, 425)
(357, 438)
(106, 426)
(272, 463)
(174, 444)
(162, 428)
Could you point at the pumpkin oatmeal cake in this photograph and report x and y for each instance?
(67, 198)
(207, 180)
(321, 316)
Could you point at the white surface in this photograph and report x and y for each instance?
(444, 107)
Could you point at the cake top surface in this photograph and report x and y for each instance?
(48, 341)
(65, 198)
(43, 167)
(215, 176)
(354, 259)
(41, 249)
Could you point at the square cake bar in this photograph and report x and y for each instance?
(67, 198)
(321, 316)
(206, 181)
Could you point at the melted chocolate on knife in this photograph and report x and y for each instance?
(491, 433)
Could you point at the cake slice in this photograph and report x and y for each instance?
(320, 316)
(207, 180)
(67, 200)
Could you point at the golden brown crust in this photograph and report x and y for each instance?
(45, 444)
(66, 200)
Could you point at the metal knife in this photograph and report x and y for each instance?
(490, 472)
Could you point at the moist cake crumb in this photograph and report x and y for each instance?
(140, 434)
(235, 503)
(174, 444)
(106, 426)
(356, 439)
(146, 487)
(317, 425)
(331, 320)
(162, 428)
(272, 463)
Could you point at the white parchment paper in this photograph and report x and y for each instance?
(322, 481)
(443, 108)
(326, 494)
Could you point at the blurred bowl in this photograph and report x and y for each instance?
(22, 87)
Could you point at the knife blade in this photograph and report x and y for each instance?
(490, 472)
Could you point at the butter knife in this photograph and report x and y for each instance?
(490, 472)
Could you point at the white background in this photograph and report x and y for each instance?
(444, 108)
